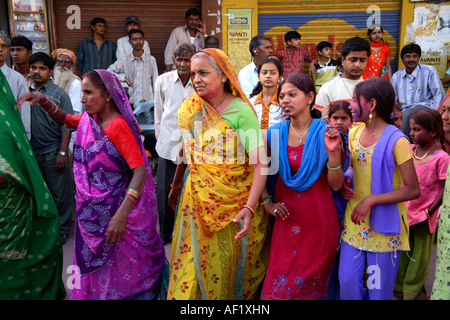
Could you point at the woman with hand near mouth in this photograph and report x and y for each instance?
(306, 230)
(383, 175)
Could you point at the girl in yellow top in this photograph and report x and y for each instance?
(383, 177)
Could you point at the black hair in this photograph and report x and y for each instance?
(133, 31)
(42, 57)
(22, 41)
(258, 88)
(97, 20)
(373, 27)
(306, 84)
(291, 35)
(255, 42)
(411, 48)
(193, 12)
(355, 44)
(340, 105)
(382, 91)
(323, 44)
(430, 120)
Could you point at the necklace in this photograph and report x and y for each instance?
(345, 86)
(303, 134)
(226, 94)
(425, 155)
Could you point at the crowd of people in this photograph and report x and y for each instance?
(271, 184)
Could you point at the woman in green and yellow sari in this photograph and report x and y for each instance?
(220, 244)
(30, 245)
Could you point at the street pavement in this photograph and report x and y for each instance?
(68, 259)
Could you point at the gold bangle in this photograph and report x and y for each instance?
(249, 208)
(426, 212)
(133, 191)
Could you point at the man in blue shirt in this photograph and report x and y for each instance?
(417, 86)
(96, 52)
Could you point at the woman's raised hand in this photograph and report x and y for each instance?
(332, 139)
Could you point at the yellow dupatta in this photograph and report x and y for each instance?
(206, 261)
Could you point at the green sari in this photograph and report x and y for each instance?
(30, 245)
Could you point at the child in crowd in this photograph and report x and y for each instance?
(397, 116)
(326, 68)
(293, 58)
(382, 171)
(431, 163)
(379, 64)
(340, 117)
(264, 95)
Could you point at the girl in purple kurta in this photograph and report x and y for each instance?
(117, 248)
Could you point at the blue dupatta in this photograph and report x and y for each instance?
(313, 161)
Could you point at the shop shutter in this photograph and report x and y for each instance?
(332, 20)
(157, 20)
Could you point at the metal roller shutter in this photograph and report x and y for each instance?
(157, 20)
(332, 20)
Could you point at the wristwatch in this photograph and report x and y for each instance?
(62, 153)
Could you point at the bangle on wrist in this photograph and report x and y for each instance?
(121, 220)
(249, 208)
(266, 200)
(133, 191)
(52, 112)
(428, 215)
(334, 167)
(132, 198)
(174, 187)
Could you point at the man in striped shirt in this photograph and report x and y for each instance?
(96, 52)
(416, 85)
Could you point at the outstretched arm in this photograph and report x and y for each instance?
(57, 114)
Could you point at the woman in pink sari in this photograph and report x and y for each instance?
(117, 248)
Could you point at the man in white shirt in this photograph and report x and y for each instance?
(17, 82)
(171, 89)
(138, 69)
(193, 32)
(123, 44)
(261, 48)
(355, 55)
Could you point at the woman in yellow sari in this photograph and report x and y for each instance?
(220, 244)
